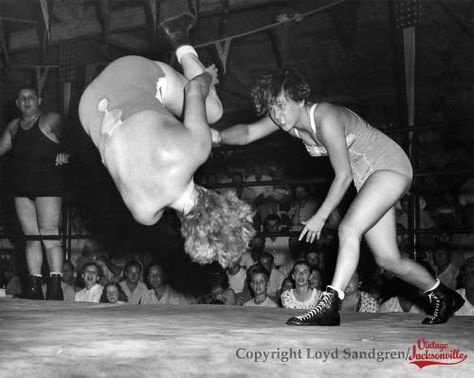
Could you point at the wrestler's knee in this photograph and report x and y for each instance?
(50, 231)
(390, 263)
(348, 230)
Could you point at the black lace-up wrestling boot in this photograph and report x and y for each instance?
(445, 302)
(34, 290)
(55, 291)
(177, 29)
(326, 312)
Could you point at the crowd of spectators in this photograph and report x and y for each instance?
(277, 270)
(295, 285)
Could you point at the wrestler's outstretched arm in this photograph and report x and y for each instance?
(242, 134)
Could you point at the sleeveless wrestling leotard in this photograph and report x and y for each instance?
(369, 150)
(33, 169)
(125, 87)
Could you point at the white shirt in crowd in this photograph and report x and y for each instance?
(393, 305)
(170, 296)
(134, 297)
(279, 248)
(237, 281)
(247, 261)
(467, 308)
(92, 295)
(288, 300)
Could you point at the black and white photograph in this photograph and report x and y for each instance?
(236, 188)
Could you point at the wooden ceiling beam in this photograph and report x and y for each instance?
(120, 20)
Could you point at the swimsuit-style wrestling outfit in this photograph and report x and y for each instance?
(127, 86)
(369, 149)
(34, 172)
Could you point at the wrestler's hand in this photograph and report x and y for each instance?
(215, 136)
(201, 82)
(214, 72)
(312, 228)
(62, 158)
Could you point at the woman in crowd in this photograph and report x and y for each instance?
(302, 296)
(113, 293)
(220, 292)
(356, 300)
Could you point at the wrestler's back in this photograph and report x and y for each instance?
(150, 155)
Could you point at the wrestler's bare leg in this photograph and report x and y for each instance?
(173, 98)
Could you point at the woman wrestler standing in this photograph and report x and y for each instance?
(357, 152)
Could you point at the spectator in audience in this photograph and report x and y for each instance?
(303, 207)
(9, 278)
(68, 283)
(219, 287)
(356, 300)
(161, 292)
(266, 206)
(446, 212)
(113, 293)
(447, 264)
(426, 221)
(223, 177)
(278, 246)
(467, 289)
(237, 179)
(287, 284)
(258, 278)
(133, 285)
(92, 252)
(93, 290)
(311, 256)
(237, 276)
(257, 192)
(315, 279)
(276, 277)
(251, 255)
(281, 193)
(302, 297)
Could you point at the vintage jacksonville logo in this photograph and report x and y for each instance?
(425, 353)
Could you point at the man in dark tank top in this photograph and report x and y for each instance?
(33, 141)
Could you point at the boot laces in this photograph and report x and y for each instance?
(434, 297)
(323, 302)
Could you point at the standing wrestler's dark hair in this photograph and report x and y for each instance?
(270, 85)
